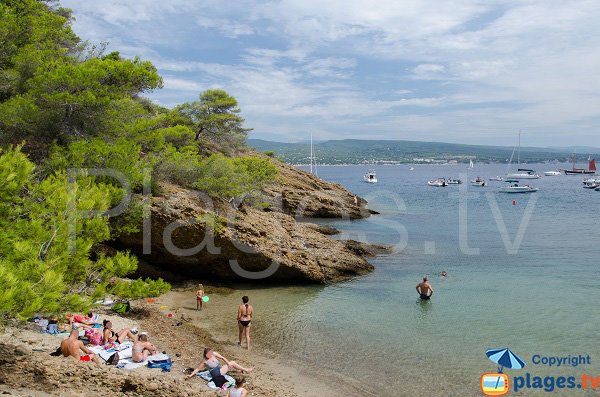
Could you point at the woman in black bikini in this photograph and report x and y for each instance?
(244, 317)
(108, 335)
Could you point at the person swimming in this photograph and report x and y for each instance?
(424, 289)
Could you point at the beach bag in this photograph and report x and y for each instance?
(94, 337)
(165, 365)
(113, 360)
(122, 308)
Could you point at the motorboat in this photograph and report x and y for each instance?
(452, 181)
(439, 182)
(496, 179)
(552, 173)
(411, 169)
(591, 183)
(479, 181)
(514, 187)
(370, 177)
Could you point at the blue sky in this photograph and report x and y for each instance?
(468, 71)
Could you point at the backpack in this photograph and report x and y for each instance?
(122, 308)
(113, 360)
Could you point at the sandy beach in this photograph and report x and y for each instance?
(28, 369)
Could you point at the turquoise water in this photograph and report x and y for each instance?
(543, 298)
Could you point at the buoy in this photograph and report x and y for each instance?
(205, 298)
(514, 202)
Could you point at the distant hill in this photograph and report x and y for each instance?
(354, 151)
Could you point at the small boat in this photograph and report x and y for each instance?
(370, 177)
(591, 183)
(439, 182)
(552, 173)
(582, 171)
(452, 181)
(479, 181)
(514, 187)
(523, 173)
(411, 169)
(497, 179)
(471, 165)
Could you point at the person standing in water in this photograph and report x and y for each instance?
(199, 296)
(424, 289)
(244, 317)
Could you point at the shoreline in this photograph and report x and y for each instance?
(290, 376)
(29, 370)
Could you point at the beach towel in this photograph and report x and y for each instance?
(207, 377)
(125, 351)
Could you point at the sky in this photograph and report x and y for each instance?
(464, 71)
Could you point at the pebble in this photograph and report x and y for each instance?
(152, 386)
(21, 351)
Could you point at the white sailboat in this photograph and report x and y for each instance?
(522, 173)
(313, 160)
(471, 165)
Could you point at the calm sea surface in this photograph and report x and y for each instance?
(536, 294)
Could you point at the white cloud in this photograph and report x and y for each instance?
(476, 67)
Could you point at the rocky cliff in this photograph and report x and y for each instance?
(198, 239)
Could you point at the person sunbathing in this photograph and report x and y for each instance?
(72, 346)
(142, 348)
(79, 321)
(217, 371)
(108, 335)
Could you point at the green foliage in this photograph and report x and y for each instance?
(213, 222)
(181, 166)
(139, 288)
(228, 178)
(122, 155)
(47, 232)
(216, 118)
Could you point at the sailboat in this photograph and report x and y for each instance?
(471, 165)
(313, 160)
(582, 171)
(522, 173)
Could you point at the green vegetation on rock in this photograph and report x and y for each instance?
(65, 104)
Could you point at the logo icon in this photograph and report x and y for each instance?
(493, 384)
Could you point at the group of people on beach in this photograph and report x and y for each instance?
(73, 346)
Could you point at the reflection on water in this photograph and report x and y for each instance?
(540, 300)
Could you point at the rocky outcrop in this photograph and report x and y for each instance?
(304, 195)
(246, 243)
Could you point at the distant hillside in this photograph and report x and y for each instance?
(354, 151)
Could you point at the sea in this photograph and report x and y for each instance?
(523, 275)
